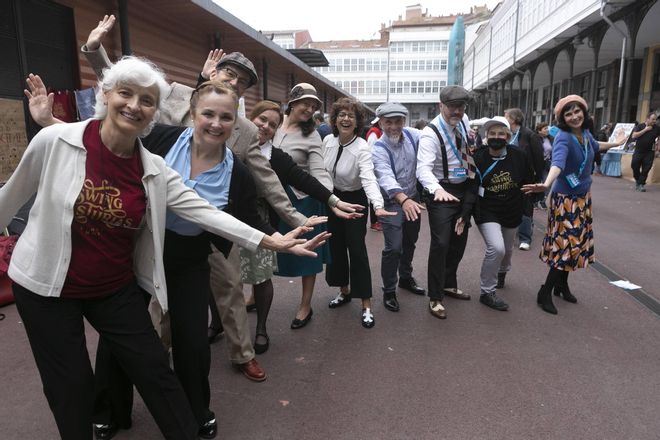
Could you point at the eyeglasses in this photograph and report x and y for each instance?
(343, 115)
(457, 106)
(232, 74)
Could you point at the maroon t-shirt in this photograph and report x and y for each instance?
(106, 219)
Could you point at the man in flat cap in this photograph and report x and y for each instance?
(395, 164)
(446, 171)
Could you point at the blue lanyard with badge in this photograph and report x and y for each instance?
(488, 170)
(514, 140)
(458, 171)
(574, 179)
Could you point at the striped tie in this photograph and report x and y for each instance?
(466, 159)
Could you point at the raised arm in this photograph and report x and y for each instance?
(40, 102)
(93, 50)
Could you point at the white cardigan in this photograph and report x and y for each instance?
(53, 166)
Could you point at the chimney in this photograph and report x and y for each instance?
(414, 11)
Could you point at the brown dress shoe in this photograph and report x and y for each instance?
(436, 308)
(252, 370)
(456, 293)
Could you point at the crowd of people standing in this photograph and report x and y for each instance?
(167, 202)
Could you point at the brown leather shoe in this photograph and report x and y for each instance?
(436, 308)
(457, 293)
(252, 370)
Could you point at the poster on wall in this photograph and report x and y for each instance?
(616, 132)
(13, 136)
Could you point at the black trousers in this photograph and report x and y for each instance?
(350, 261)
(447, 248)
(188, 292)
(56, 332)
(641, 164)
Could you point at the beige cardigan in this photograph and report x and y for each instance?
(53, 166)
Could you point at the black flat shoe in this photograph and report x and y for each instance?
(105, 432)
(215, 333)
(339, 300)
(411, 286)
(250, 307)
(300, 323)
(209, 429)
(391, 303)
(261, 348)
(367, 318)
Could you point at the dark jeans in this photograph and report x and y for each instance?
(56, 332)
(447, 248)
(641, 164)
(400, 238)
(350, 261)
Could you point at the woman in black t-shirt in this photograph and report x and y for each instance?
(502, 170)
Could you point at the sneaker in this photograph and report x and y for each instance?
(377, 227)
(637, 187)
(367, 318)
(524, 246)
(642, 188)
(493, 301)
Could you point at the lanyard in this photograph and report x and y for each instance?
(451, 143)
(514, 140)
(490, 168)
(586, 150)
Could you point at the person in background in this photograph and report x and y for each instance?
(347, 157)
(257, 268)
(419, 125)
(321, 126)
(373, 134)
(298, 138)
(502, 170)
(448, 174)
(568, 242)
(395, 165)
(644, 135)
(532, 145)
(115, 196)
(542, 128)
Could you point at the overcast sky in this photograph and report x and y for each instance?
(338, 19)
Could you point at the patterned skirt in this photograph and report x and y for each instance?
(260, 265)
(569, 240)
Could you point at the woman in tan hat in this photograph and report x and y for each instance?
(568, 242)
(298, 137)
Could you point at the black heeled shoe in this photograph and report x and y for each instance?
(261, 348)
(105, 432)
(565, 293)
(544, 299)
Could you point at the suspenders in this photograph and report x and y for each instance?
(443, 150)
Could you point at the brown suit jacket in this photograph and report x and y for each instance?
(243, 142)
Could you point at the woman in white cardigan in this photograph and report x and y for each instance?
(347, 157)
(94, 243)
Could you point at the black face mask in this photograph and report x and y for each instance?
(497, 143)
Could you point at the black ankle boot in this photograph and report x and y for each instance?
(565, 292)
(544, 299)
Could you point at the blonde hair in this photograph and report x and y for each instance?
(214, 86)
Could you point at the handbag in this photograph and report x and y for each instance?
(7, 244)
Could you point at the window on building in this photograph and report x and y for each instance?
(443, 64)
(435, 87)
(428, 86)
(444, 44)
(399, 87)
(413, 87)
(406, 66)
(443, 83)
(360, 90)
(406, 87)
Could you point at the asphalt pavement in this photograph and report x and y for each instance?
(591, 372)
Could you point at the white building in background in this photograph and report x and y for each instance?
(532, 52)
(408, 64)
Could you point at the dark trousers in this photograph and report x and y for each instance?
(56, 333)
(447, 248)
(188, 294)
(350, 261)
(400, 238)
(641, 164)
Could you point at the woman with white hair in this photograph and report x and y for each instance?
(94, 244)
(502, 170)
